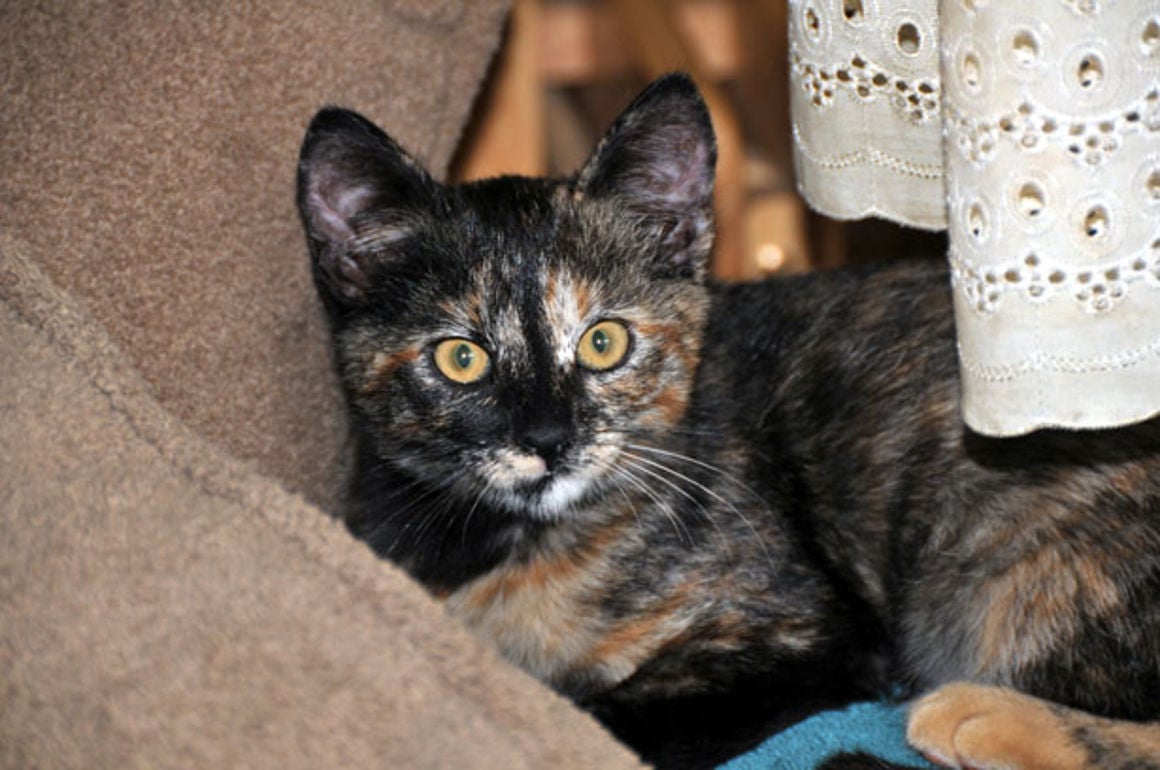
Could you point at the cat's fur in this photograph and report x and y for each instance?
(771, 504)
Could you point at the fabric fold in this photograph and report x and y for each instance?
(1031, 132)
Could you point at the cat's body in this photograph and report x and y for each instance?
(698, 509)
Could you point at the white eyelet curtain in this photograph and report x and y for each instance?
(1031, 131)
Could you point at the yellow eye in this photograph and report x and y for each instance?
(461, 360)
(604, 346)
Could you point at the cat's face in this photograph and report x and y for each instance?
(510, 339)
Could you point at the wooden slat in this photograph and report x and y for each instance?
(762, 83)
(583, 42)
(510, 137)
(775, 215)
(660, 46)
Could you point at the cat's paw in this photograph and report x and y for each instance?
(991, 728)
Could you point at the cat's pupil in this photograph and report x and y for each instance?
(600, 342)
(463, 356)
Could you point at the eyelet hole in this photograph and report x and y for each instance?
(813, 23)
(1090, 72)
(977, 222)
(1150, 38)
(971, 71)
(1096, 222)
(1026, 48)
(909, 39)
(1152, 185)
(1031, 200)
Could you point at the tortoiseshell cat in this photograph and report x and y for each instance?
(701, 510)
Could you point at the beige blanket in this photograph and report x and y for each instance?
(171, 591)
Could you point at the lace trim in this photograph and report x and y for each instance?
(1044, 362)
(1098, 290)
(1090, 141)
(866, 156)
(1084, 7)
(918, 101)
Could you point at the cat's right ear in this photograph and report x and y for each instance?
(358, 194)
(657, 161)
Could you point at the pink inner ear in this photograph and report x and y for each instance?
(684, 179)
(333, 207)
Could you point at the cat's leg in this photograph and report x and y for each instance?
(980, 726)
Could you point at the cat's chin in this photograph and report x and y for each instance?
(560, 496)
(553, 499)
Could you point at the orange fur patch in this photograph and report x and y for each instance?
(550, 288)
(582, 298)
(544, 614)
(670, 403)
(1129, 479)
(535, 575)
(635, 640)
(673, 340)
(543, 570)
(382, 368)
(466, 310)
(1034, 606)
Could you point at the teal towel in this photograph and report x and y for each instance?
(877, 728)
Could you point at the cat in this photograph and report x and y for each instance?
(703, 510)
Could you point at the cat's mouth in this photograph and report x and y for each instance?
(525, 484)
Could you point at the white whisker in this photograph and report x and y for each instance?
(679, 527)
(712, 493)
(431, 499)
(704, 511)
(701, 464)
(471, 511)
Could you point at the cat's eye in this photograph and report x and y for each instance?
(604, 346)
(461, 360)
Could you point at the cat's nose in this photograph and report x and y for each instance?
(549, 440)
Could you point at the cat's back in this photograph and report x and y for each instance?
(834, 374)
(1032, 561)
(866, 329)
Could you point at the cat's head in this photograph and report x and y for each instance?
(509, 339)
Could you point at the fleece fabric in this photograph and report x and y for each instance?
(173, 592)
(162, 605)
(147, 158)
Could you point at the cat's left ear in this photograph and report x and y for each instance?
(658, 162)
